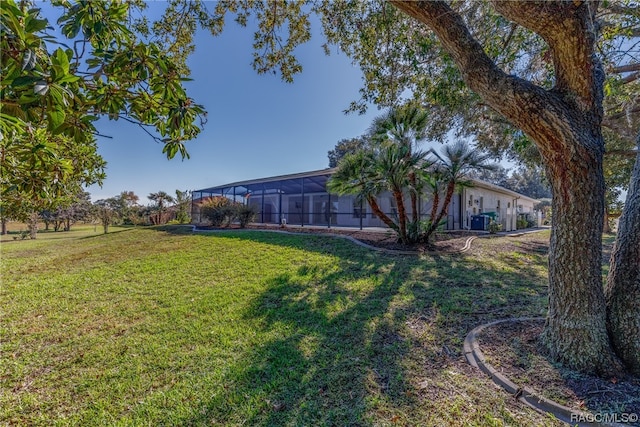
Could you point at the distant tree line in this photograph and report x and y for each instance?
(124, 209)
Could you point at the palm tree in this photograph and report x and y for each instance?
(452, 170)
(161, 199)
(386, 167)
(407, 127)
(397, 170)
(356, 174)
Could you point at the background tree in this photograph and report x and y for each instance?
(402, 170)
(70, 210)
(161, 201)
(530, 181)
(183, 205)
(129, 208)
(618, 163)
(27, 183)
(106, 210)
(344, 147)
(497, 176)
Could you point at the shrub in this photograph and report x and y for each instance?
(217, 210)
(221, 211)
(521, 223)
(494, 226)
(245, 215)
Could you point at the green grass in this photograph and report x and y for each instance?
(162, 327)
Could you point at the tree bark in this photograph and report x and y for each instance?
(565, 123)
(3, 221)
(575, 331)
(451, 186)
(605, 222)
(402, 215)
(414, 198)
(33, 225)
(623, 282)
(435, 203)
(378, 212)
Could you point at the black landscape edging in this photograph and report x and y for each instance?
(524, 394)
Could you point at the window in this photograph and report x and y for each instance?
(359, 210)
(393, 213)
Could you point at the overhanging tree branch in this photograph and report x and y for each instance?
(553, 21)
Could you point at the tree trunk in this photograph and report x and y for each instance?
(33, 225)
(414, 198)
(402, 215)
(378, 212)
(606, 228)
(623, 282)
(451, 186)
(575, 331)
(3, 221)
(434, 205)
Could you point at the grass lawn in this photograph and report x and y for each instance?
(162, 327)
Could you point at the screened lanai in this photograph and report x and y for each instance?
(297, 199)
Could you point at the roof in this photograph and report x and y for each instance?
(323, 172)
(250, 182)
(484, 184)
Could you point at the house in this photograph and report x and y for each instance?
(302, 199)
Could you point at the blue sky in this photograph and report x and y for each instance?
(257, 125)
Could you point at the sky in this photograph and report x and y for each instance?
(258, 125)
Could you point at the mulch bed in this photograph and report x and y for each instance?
(442, 242)
(513, 348)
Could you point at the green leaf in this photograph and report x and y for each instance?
(27, 99)
(41, 87)
(60, 63)
(24, 81)
(29, 60)
(34, 25)
(56, 118)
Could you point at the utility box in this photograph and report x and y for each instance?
(480, 222)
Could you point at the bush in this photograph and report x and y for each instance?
(221, 211)
(494, 227)
(217, 210)
(245, 215)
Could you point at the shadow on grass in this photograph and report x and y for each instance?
(343, 338)
(102, 234)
